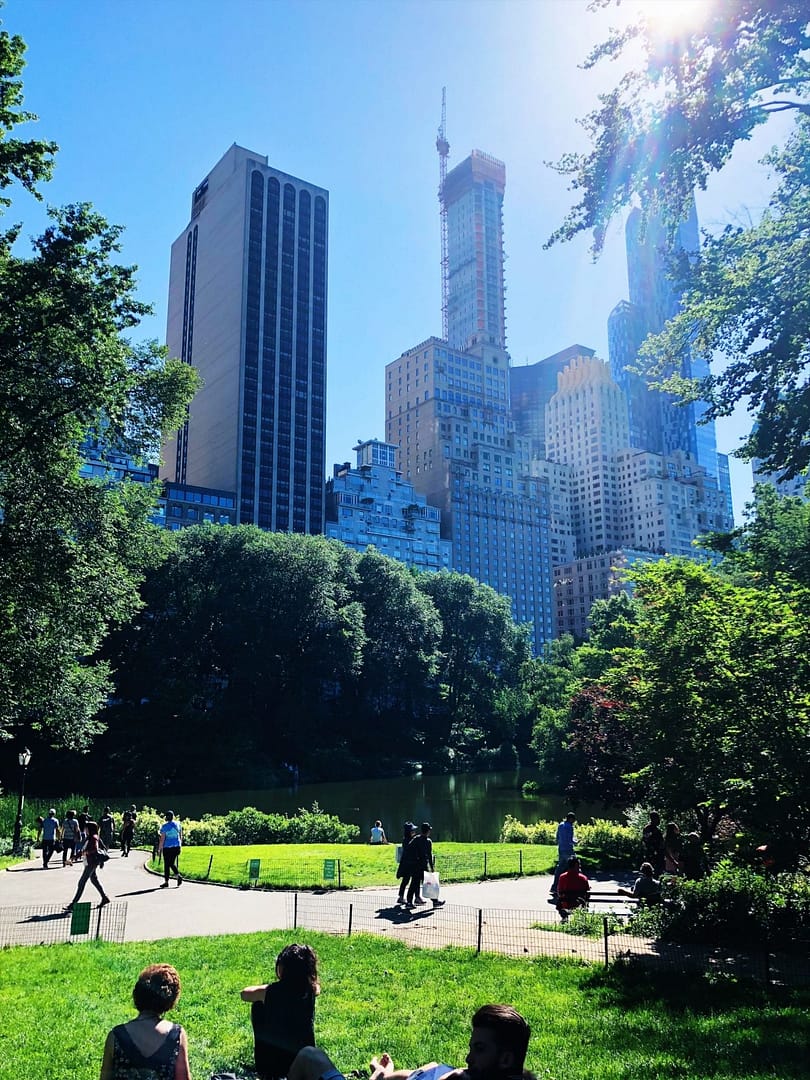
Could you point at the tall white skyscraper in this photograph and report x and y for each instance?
(247, 307)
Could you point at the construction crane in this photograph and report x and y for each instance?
(443, 146)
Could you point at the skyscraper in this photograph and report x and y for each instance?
(473, 196)
(656, 422)
(532, 386)
(247, 306)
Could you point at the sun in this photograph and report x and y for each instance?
(672, 16)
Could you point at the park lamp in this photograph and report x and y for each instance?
(24, 757)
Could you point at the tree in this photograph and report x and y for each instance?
(481, 656)
(244, 641)
(72, 551)
(658, 135)
(392, 691)
(713, 701)
(773, 545)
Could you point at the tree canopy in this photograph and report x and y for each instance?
(72, 550)
(669, 123)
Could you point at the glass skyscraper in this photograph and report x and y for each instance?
(657, 423)
(247, 307)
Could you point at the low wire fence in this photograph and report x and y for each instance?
(48, 924)
(534, 933)
(284, 873)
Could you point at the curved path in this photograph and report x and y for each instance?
(197, 908)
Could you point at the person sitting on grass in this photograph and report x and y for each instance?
(573, 889)
(497, 1051)
(646, 888)
(149, 1047)
(283, 1013)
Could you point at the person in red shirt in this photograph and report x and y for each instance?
(573, 889)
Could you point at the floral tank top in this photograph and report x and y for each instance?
(130, 1064)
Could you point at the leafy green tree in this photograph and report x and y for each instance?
(773, 545)
(482, 654)
(244, 642)
(713, 701)
(392, 691)
(72, 551)
(671, 121)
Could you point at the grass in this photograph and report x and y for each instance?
(587, 1024)
(360, 865)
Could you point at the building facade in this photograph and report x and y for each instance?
(531, 388)
(473, 196)
(448, 412)
(247, 306)
(597, 577)
(371, 504)
(656, 421)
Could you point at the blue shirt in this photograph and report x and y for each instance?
(49, 827)
(170, 831)
(565, 839)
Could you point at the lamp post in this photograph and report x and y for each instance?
(24, 758)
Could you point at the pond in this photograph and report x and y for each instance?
(462, 807)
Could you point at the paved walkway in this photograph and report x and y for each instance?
(205, 909)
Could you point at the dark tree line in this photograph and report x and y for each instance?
(257, 649)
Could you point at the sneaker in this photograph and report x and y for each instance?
(179, 881)
(407, 904)
(420, 901)
(439, 903)
(69, 907)
(165, 885)
(104, 900)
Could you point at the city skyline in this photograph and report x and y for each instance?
(139, 120)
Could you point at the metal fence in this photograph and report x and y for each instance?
(48, 924)
(283, 873)
(533, 933)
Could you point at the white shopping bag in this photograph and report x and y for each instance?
(430, 886)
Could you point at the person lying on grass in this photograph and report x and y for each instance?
(498, 1045)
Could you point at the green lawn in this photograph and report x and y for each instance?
(587, 1025)
(360, 864)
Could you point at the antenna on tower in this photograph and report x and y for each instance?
(443, 146)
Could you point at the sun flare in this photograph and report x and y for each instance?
(671, 16)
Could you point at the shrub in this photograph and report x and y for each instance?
(601, 843)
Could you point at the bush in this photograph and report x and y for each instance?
(251, 826)
(738, 906)
(600, 843)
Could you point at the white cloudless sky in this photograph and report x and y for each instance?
(144, 97)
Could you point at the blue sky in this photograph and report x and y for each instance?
(144, 97)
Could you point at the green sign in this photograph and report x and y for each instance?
(329, 869)
(254, 866)
(80, 919)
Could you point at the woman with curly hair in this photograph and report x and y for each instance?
(149, 1047)
(283, 1013)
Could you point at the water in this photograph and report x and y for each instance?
(464, 807)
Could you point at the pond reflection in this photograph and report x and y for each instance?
(463, 807)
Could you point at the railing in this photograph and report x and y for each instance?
(47, 924)
(534, 933)
(284, 873)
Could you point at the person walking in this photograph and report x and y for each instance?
(169, 847)
(127, 834)
(405, 867)
(566, 842)
(106, 828)
(50, 828)
(420, 850)
(71, 834)
(93, 861)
